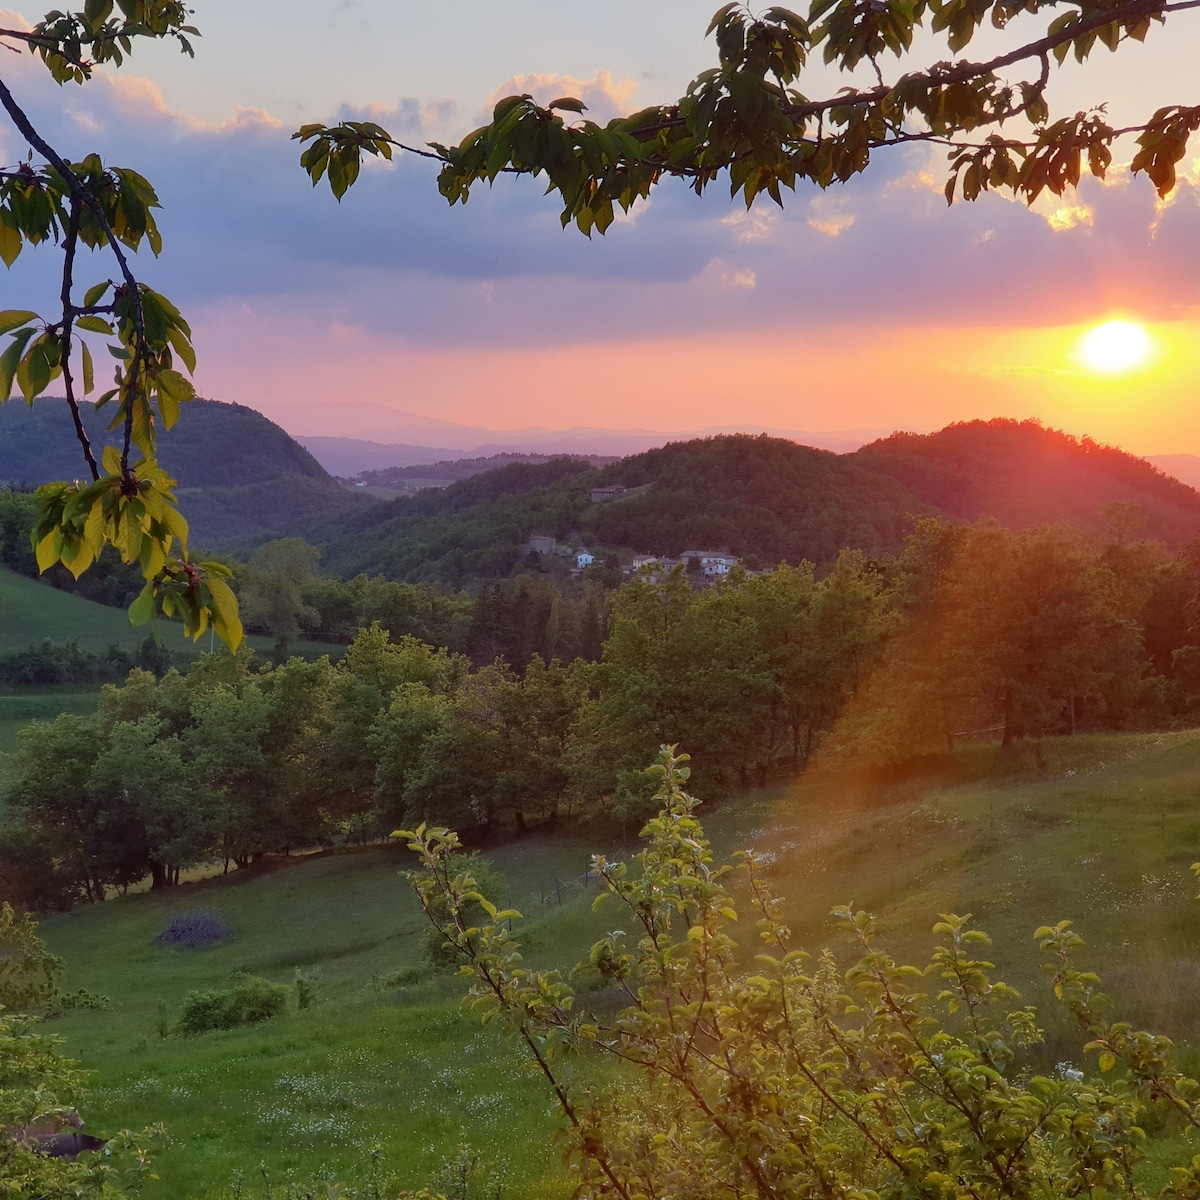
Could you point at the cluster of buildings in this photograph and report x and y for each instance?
(708, 565)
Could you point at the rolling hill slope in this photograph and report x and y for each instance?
(397, 1063)
(1021, 474)
(764, 499)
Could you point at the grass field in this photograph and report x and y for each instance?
(32, 612)
(1099, 830)
(21, 706)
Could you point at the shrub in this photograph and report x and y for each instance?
(306, 988)
(248, 1002)
(437, 952)
(197, 927)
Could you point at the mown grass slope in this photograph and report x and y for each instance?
(32, 612)
(1098, 830)
(20, 707)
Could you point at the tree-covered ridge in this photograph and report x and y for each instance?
(1022, 474)
(240, 475)
(766, 500)
(212, 445)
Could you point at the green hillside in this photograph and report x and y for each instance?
(32, 612)
(764, 499)
(1021, 474)
(1099, 830)
(240, 475)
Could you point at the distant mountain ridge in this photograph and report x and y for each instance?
(350, 456)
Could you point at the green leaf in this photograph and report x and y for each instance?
(568, 104)
(9, 360)
(93, 294)
(110, 460)
(89, 370)
(35, 371)
(11, 242)
(93, 325)
(141, 611)
(13, 318)
(225, 610)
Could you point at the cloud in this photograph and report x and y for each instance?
(605, 98)
(249, 242)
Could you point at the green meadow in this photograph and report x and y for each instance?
(32, 612)
(392, 1075)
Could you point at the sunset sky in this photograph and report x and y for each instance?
(868, 306)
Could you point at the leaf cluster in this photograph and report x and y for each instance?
(132, 506)
(749, 121)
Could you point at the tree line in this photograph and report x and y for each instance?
(971, 631)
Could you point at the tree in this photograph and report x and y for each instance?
(793, 1076)
(271, 590)
(129, 502)
(1013, 632)
(751, 121)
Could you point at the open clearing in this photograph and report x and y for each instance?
(32, 612)
(1103, 831)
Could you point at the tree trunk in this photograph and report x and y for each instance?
(158, 877)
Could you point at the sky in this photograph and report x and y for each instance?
(868, 306)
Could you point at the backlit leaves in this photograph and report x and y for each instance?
(747, 120)
(131, 505)
(789, 1075)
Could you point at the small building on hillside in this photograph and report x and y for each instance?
(712, 564)
(543, 545)
(584, 559)
(600, 494)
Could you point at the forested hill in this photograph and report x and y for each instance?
(240, 475)
(764, 499)
(1023, 475)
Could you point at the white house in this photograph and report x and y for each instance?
(712, 564)
(584, 559)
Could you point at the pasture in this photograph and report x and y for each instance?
(32, 612)
(1101, 830)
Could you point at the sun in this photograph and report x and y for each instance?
(1115, 347)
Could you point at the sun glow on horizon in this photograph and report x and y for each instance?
(1115, 347)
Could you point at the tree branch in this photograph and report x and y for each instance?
(69, 247)
(79, 192)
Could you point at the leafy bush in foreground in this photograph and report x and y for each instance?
(796, 1077)
(249, 1002)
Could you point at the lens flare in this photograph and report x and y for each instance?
(1115, 347)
